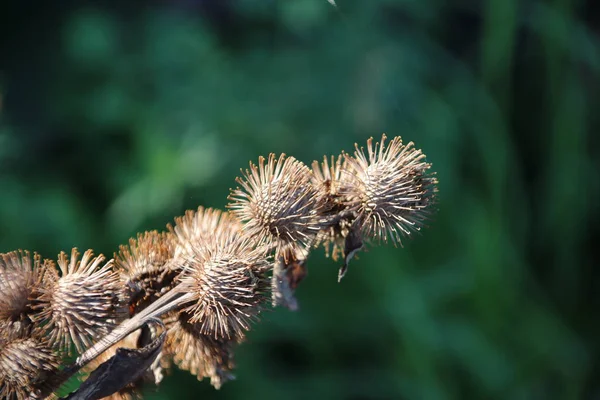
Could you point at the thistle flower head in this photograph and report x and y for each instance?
(25, 364)
(389, 188)
(277, 202)
(201, 355)
(81, 304)
(19, 287)
(227, 275)
(145, 267)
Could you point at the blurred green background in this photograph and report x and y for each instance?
(116, 117)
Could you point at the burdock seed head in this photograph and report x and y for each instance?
(19, 288)
(198, 229)
(386, 193)
(390, 188)
(147, 268)
(25, 364)
(277, 202)
(201, 355)
(81, 304)
(227, 275)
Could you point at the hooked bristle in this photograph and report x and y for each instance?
(204, 224)
(83, 303)
(277, 202)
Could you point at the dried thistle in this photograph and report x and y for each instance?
(81, 304)
(209, 272)
(390, 189)
(19, 288)
(146, 267)
(277, 202)
(201, 355)
(227, 277)
(25, 364)
(379, 196)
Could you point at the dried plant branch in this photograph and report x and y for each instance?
(206, 279)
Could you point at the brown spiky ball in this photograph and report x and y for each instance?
(277, 202)
(83, 303)
(201, 355)
(20, 282)
(390, 188)
(227, 275)
(147, 268)
(25, 364)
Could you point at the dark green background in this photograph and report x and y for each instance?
(118, 116)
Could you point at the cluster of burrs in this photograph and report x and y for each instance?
(208, 276)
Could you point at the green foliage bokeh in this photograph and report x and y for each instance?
(114, 119)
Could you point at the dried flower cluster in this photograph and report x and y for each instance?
(209, 275)
(46, 310)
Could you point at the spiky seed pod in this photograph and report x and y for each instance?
(201, 355)
(147, 268)
(83, 303)
(25, 364)
(19, 288)
(387, 193)
(390, 188)
(227, 275)
(336, 219)
(277, 202)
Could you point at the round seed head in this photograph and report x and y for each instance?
(201, 355)
(83, 303)
(390, 188)
(227, 275)
(146, 267)
(25, 364)
(277, 202)
(19, 288)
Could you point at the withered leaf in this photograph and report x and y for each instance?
(288, 271)
(126, 366)
(352, 245)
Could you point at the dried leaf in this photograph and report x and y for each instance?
(126, 366)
